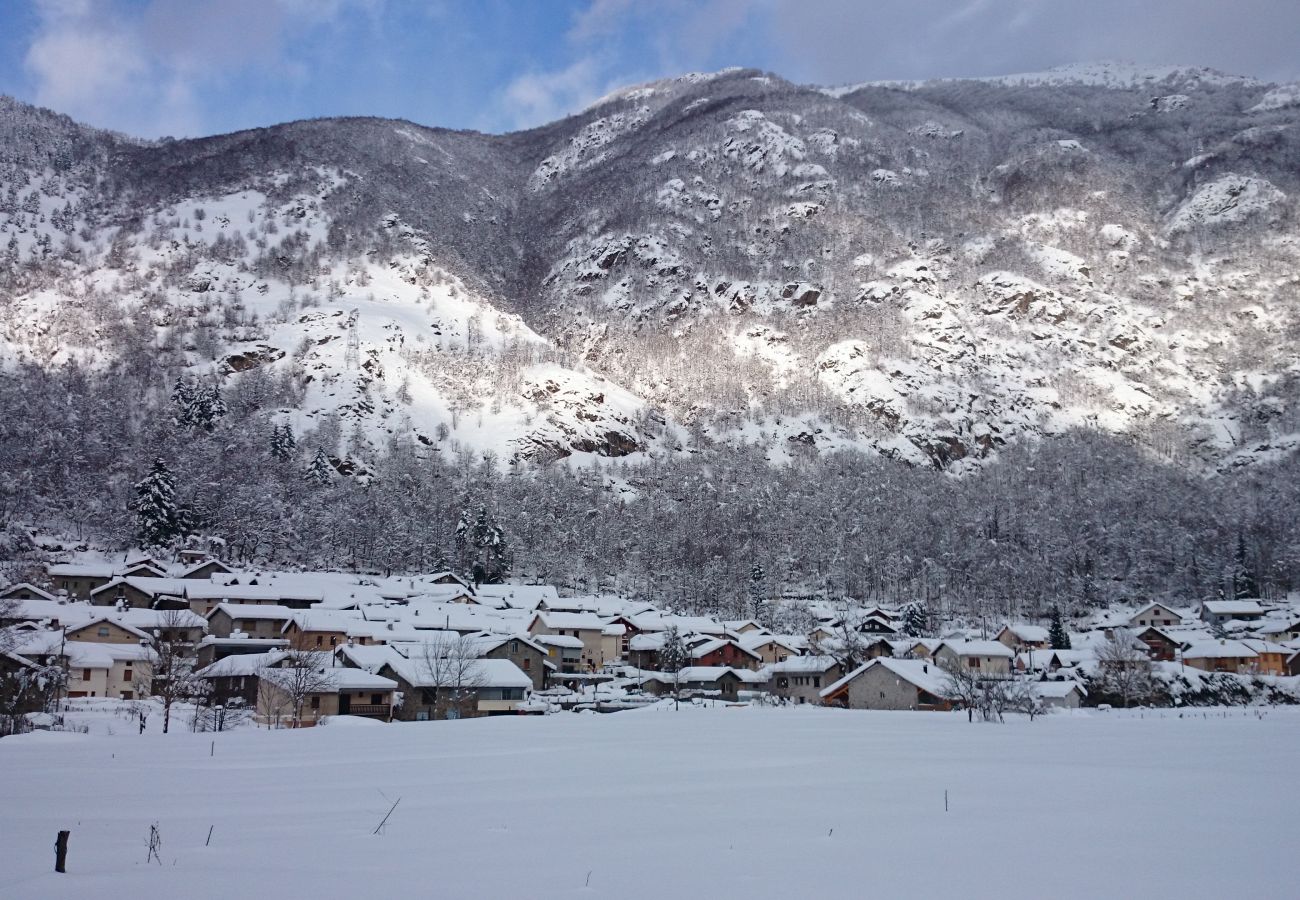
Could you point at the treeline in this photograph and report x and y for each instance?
(1078, 521)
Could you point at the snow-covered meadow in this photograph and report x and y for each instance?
(730, 801)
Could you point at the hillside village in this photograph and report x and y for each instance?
(292, 649)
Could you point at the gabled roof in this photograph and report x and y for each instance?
(1219, 650)
(583, 621)
(925, 676)
(801, 665)
(24, 587)
(485, 673)
(254, 611)
(1150, 606)
(111, 620)
(978, 648)
(1233, 607)
(1033, 634)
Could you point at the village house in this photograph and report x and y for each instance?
(771, 648)
(710, 681)
(253, 620)
(103, 630)
(1219, 656)
(1270, 658)
(132, 592)
(886, 683)
(1024, 637)
(984, 657)
(724, 653)
(1219, 612)
(339, 691)
(800, 679)
(1287, 629)
(564, 651)
(233, 679)
(1059, 694)
(79, 580)
(613, 642)
(1160, 645)
(1155, 615)
(459, 690)
(586, 627)
(25, 591)
(121, 671)
(203, 570)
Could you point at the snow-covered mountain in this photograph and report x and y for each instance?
(928, 270)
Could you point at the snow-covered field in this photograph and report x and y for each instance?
(702, 802)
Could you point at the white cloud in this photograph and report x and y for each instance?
(538, 97)
(143, 67)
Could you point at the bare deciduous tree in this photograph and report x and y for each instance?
(454, 671)
(1125, 668)
(171, 661)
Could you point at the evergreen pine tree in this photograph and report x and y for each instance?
(1056, 633)
(1244, 583)
(757, 592)
(282, 442)
(160, 519)
(320, 471)
(914, 619)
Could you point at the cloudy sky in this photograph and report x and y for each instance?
(190, 67)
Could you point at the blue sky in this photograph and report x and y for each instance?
(190, 67)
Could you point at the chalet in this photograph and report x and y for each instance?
(1220, 656)
(1293, 663)
(875, 625)
(879, 647)
(1155, 615)
(205, 596)
(1219, 612)
(1160, 645)
(1024, 637)
(986, 657)
(339, 691)
(886, 683)
(586, 627)
(744, 626)
(800, 679)
(916, 648)
(529, 656)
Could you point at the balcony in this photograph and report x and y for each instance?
(369, 710)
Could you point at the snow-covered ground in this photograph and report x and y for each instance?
(737, 802)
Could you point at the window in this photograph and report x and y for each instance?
(315, 702)
(973, 662)
(376, 699)
(320, 640)
(817, 681)
(102, 631)
(85, 674)
(528, 664)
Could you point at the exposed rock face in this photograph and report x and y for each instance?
(929, 271)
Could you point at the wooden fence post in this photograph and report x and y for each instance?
(61, 852)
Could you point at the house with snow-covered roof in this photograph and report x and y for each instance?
(1024, 637)
(1220, 612)
(984, 657)
(437, 688)
(335, 691)
(1219, 656)
(800, 679)
(886, 683)
(1155, 615)
(721, 681)
(587, 627)
(252, 619)
(80, 579)
(26, 591)
(724, 652)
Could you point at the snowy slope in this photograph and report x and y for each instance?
(765, 803)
